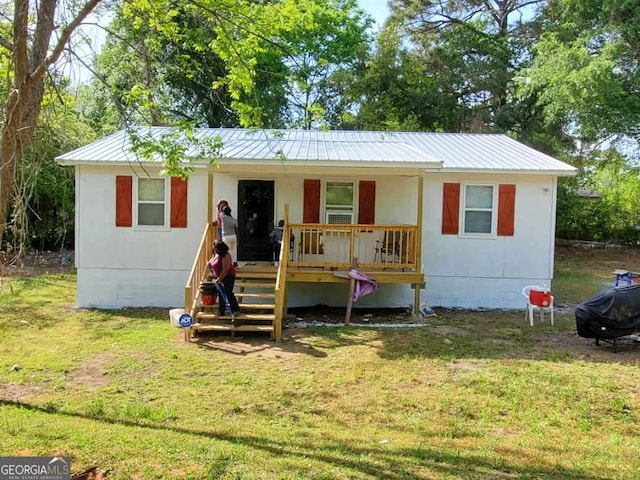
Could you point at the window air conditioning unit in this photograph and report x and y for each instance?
(340, 218)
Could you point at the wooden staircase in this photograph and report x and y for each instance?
(255, 290)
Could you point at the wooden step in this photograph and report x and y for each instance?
(242, 317)
(257, 275)
(243, 284)
(232, 328)
(254, 295)
(253, 306)
(210, 316)
(261, 267)
(257, 306)
(243, 305)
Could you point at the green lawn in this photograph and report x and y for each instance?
(475, 395)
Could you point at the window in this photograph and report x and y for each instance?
(151, 202)
(478, 209)
(339, 202)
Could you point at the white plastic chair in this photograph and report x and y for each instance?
(537, 296)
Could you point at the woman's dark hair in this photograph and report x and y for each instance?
(227, 210)
(220, 248)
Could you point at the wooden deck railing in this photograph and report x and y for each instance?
(199, 268)
(335, 246)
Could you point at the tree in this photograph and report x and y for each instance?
(612, 216)
(584, 78)
(156, 79)
(217, 65)
(31, 48)
(586, 70)
(43, 205)
(474, 47)
(398, 91)
(327, 40)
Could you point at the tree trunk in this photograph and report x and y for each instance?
(31, 55)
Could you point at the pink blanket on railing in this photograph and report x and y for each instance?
(364, 284)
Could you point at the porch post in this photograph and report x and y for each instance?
(418, 291)
(209, 197)
(280, 307)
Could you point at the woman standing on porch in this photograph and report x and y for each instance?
(222, 204)
(230, 232)
(224, 273)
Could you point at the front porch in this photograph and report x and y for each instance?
(320, 253)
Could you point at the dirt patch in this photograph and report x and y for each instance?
(259, 346)
(587, 350)
(92, 374)
(450, 330)
(18, 393)
(325, 314)
(91, 473)
(37, 263)
(598, 257)
(501, 341)
(466, 366)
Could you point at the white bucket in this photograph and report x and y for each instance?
(174, 316)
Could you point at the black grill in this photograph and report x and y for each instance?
(610, 314)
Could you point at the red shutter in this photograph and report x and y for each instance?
(124, 193)
(311, 204)
(506, 209)
(367, 202)
(450, 208)
(178, 203)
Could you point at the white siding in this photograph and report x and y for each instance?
(125, 266)
(120, 266)
(491, 272)
(124, 287)
(396, 197)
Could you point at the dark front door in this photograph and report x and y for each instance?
(255, 219)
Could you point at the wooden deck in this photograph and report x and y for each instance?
(383, 274)
(317, 253)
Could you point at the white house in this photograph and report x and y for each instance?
(476, 213)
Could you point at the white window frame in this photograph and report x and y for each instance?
(166, 204)
(493, 210)
(331, 209)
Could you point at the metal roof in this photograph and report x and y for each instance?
(434, 151)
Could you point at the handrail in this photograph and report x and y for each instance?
(199, 268)
(281, 282)
(336, 245)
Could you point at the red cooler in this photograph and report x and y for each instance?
(540, 298)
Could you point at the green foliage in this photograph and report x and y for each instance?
(43, 206)
(584, 85)
(224, 64)
(473, 50)
(168, 73)
(615, 214)
(177, 148)
(228, 63)
(580, 88)
(560, 75)
(323, 39)
(399, 91)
